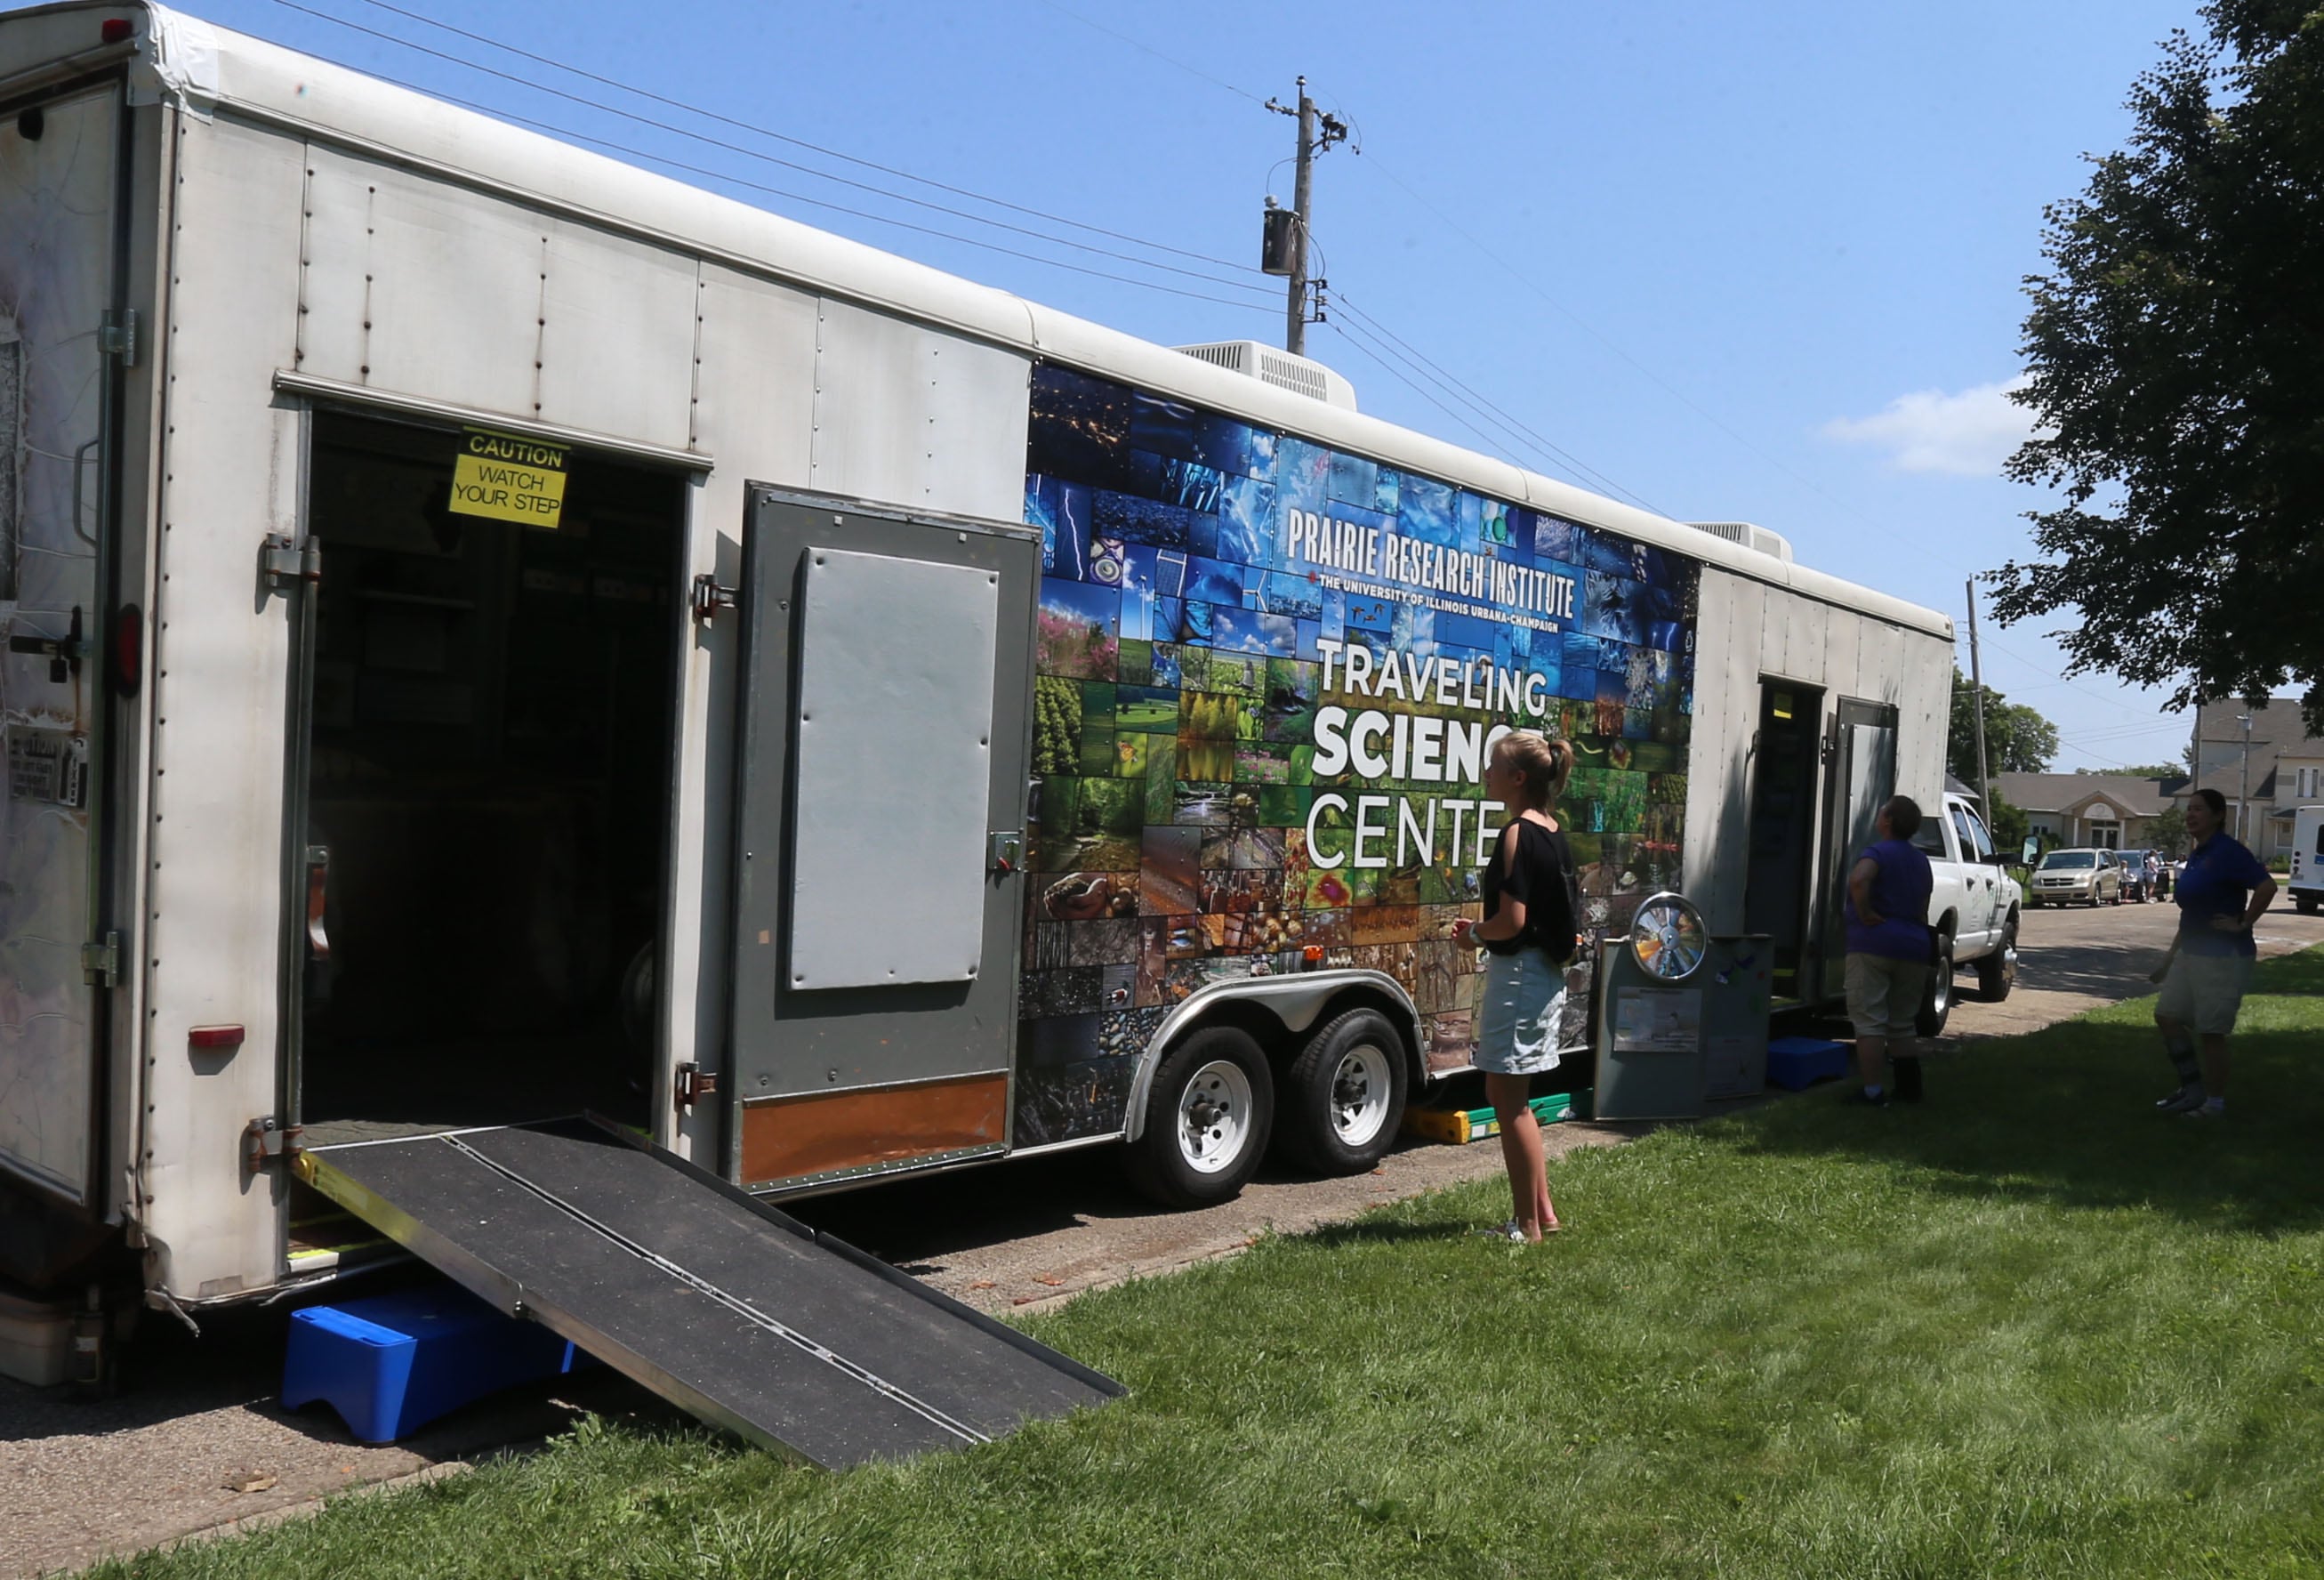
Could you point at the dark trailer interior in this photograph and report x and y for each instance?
(487, 787)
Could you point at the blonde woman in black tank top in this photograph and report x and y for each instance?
(1528, 919)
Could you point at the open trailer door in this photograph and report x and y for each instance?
(64, 338)
(885, 699)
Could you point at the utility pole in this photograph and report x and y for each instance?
(2243, 801)
(1303, 198)
(1977, 691)
(1318, 130)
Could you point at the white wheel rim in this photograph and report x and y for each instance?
(1214, 1117)
(1360, 1094)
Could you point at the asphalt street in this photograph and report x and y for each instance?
(197, 1443)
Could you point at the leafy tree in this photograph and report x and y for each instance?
(2008, 826)
(2145, 771)
(2169, 832)
(2017, 739)
(2173, 353)
(1057, 725)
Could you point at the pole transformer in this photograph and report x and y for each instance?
(1286, 249)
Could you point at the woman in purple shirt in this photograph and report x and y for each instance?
(1888, 952)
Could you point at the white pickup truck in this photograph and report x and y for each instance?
(1974, 906)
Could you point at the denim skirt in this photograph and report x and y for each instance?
(1525, 1002)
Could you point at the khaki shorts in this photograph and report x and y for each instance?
(1884, 995)
(2205, 991)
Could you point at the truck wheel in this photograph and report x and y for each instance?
(1938, 1006)
(1996, 972)
(2306, 902)
(1207, 1118)
(1343, 1095)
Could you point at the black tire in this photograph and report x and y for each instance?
(1996, 972)
(2307, 904)
(1357, 1062)
(1161, 1163)
(1937, 1004)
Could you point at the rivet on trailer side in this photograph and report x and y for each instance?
(611, 649)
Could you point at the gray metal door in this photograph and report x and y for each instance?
(885, 718)
(1863, 778)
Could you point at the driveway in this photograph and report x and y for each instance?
(199, 1442)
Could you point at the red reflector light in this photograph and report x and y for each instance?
(214, 1037)
(119, 29)
(128, 649)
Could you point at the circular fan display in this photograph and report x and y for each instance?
(1667, 937)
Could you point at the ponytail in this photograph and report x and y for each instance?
(1543, 764)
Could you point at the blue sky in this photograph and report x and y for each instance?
(1751, 263)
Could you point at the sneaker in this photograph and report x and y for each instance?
(1908, 1080)
(1860, 1098)
(2205, 1111)
(2170, 1104)
(1509, 1231)
(2188, 1100)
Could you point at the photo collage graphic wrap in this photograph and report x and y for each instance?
(1267, 675)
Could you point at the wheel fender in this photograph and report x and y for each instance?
(1285, 1004)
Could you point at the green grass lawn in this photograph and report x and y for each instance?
(2028, 1327)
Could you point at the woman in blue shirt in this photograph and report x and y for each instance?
(2222, 894)
(1888, 951)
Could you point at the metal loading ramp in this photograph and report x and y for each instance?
(731, 1310)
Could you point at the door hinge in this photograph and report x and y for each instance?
(709, 597)
(267, 1139)
(118, 337)
(285, 563)
(690, 1084)
(100, 962)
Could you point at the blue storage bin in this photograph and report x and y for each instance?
(392, 1363)
(1798, 1062)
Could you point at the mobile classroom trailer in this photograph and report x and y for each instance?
(496, 632)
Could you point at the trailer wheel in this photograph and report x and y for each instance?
(1938, 1005)
(1207, 1118)
(1343, 1095)
(2307, 903)
(1996, 972)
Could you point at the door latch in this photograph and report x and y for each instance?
(1008, 853)
(691, 1084)
(100, 962)
(64, 653)
(318, 894)
(709, 597)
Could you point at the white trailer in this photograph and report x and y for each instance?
(494, 632)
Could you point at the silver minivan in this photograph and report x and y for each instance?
(2092, 877)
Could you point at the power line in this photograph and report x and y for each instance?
(1573, 460)
(1150, 50)
(632, 151)
(800, 141)
(1511, 446)
(1602, 338)
(1385, 356)
(1495, 447)
(678, 131)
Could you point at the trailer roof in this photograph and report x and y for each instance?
(207, 69)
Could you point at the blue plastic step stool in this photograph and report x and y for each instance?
(1799, 1062)
(392, 1363)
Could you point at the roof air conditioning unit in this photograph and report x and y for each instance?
(1749, 536)
(1280, 368)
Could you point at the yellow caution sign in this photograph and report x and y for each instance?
(508, 478)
